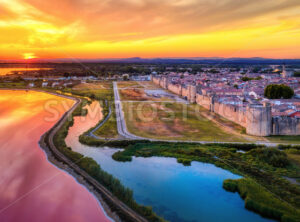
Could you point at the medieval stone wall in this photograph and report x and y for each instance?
(176, 89)
(156, 80)
(285, 125)
(185, 92)
(204, 101)
(230, 112)
(257, 118)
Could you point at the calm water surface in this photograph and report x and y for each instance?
(31, 188)
(4, 71)
(175, 192)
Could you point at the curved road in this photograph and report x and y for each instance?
(91, 134)
(99, 187)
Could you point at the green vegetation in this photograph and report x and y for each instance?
(184, 161)
(284, 139)
(13, 85)
(274, 91)
(176, 120)
(93, 169)
(263, 187)
(109, 128)
(272, 156)
(260, 200)
(245, 78)
(106, 97)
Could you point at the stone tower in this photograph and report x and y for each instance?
(259, 119)
(287, 72)
(212, 103)
(192, 93)
(164, 82)
(180, 89)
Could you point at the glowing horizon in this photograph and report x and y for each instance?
(92, 29)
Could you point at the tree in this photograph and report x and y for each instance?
(125, 77)
(274, 91)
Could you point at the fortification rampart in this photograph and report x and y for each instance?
(233, 113)
(256, 118)
(185, 92)
(175, 88)
(285, 125)
(204, 101)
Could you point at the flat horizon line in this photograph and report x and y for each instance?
(140, 58)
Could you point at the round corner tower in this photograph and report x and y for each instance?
(259, 119)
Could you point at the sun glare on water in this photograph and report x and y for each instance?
(29, 56)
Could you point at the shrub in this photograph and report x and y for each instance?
(272, 156)
(230, 185)
(185, 162)
(118, 156)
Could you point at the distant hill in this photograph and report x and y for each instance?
(193, 60)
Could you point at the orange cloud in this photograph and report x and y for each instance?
(149, 28)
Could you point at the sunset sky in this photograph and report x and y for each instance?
(149, 28)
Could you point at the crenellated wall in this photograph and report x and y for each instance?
(257, 118)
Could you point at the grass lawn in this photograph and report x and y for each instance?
(173, 121)
(100, 85)
(109, 128)
(284, 139)
(13, 85)
(98, 91)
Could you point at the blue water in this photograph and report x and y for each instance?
(176, 192)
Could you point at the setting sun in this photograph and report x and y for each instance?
(149, 28)
(29, 56)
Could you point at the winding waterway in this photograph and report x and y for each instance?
(31, 188)
(176, 192)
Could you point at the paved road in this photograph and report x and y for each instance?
(121, 124)
(99, 187)
(122, 129)
(91, 134)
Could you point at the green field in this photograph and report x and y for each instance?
(109, 128)
(174, 121)
(284, 139)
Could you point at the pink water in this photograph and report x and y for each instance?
(31, 188)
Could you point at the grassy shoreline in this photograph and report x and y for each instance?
(262, 186)
(93, 168)
(253, 165)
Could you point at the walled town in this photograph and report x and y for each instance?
(239, 97)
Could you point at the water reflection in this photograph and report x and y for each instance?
(176, 192)
(32, 189)
(7, 71)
